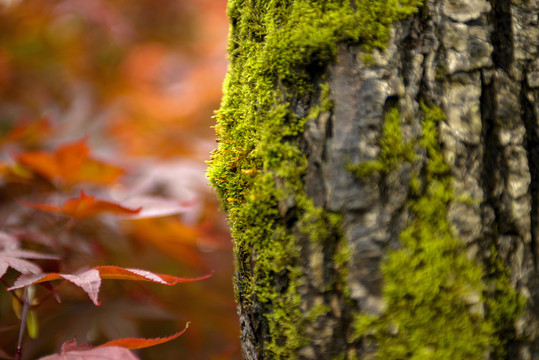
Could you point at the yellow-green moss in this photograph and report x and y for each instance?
(436, 299)
(278, 51)
(503, 304)
(393, 150)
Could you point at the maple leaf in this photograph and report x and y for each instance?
(140, 343)
(83, 207)
(112, 350)
(70, 164)
(156, 206)
(14, 259)
(72, 351)
(12, 256)
(71, 345)
(90, 280)
(28, 132)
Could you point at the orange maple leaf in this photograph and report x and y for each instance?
(83, 207)
(141, 343)
(70, 164)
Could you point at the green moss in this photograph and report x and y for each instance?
(393, 150)
(277, 52)
(503, 303)
(441, 73)
(434, 294)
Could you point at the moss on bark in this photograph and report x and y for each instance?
(278, 51)
(437, 303)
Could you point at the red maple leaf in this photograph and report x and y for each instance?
(15, 260)
(90, 280)
(112, 350)
(12, 256)
(72, 351)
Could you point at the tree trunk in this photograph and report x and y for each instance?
(379, 165)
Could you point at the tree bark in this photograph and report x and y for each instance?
(317, 246)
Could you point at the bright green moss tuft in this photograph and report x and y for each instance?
(436, 306)
(436, 165)
(393, 150)
(278, 51)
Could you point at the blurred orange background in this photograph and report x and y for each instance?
(140, 80)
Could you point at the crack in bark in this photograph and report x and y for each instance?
(502, 35)
(532, 148)
(491, 159)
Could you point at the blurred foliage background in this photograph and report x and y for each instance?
(140, 80)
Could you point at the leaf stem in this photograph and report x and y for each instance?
(22, 329)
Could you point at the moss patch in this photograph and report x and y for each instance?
(434, 294)
(393, 150)
(277, 51)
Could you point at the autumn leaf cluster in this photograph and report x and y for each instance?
(36, 249)
(105, 211)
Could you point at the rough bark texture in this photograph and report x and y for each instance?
(476, 60)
